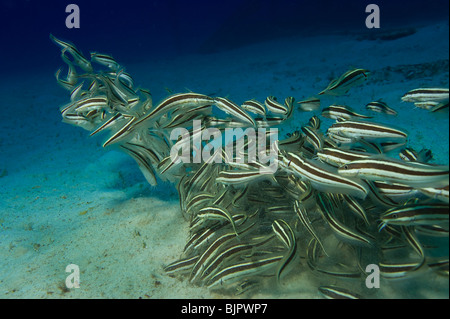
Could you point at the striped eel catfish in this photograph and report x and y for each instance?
(342, 111)
(426, 95)
(381, 107)
(397, 171)
(346, 81)
(370, 131)
(231, 108)
(322, 177)
(338, 157)
(416, 214)
(284, 232)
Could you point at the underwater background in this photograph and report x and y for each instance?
(66, 200)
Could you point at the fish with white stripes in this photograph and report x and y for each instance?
(416, 214)
(231, 108)
(370, 131)
(381, 107)
(397, 171)
(322, 177)
(346, 81)
(342, 112)
(284, 232)
(426, 95)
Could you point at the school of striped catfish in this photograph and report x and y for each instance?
(340, 200)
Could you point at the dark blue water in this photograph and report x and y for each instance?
(171, 27)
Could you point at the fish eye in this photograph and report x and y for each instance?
(394, 216)
(345, 166)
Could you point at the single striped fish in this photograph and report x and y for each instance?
(367, 130)
(397, 171)
(181, 100)
(302, 214)
(323, 177)
(338, 157)
(269, 121)
(284, 232)
(426, 94)
(342, 112)
(399, 270)
(233, 109)
(254, 107)
(381, 107)
(342, 85)
(274, 106)
(416, 214)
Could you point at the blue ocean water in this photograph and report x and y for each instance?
(66, 200)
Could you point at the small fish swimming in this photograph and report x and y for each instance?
(275, 107)
(426, 95)
(342, 111)
(397, 171)
(381, 107)
(346, 81)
